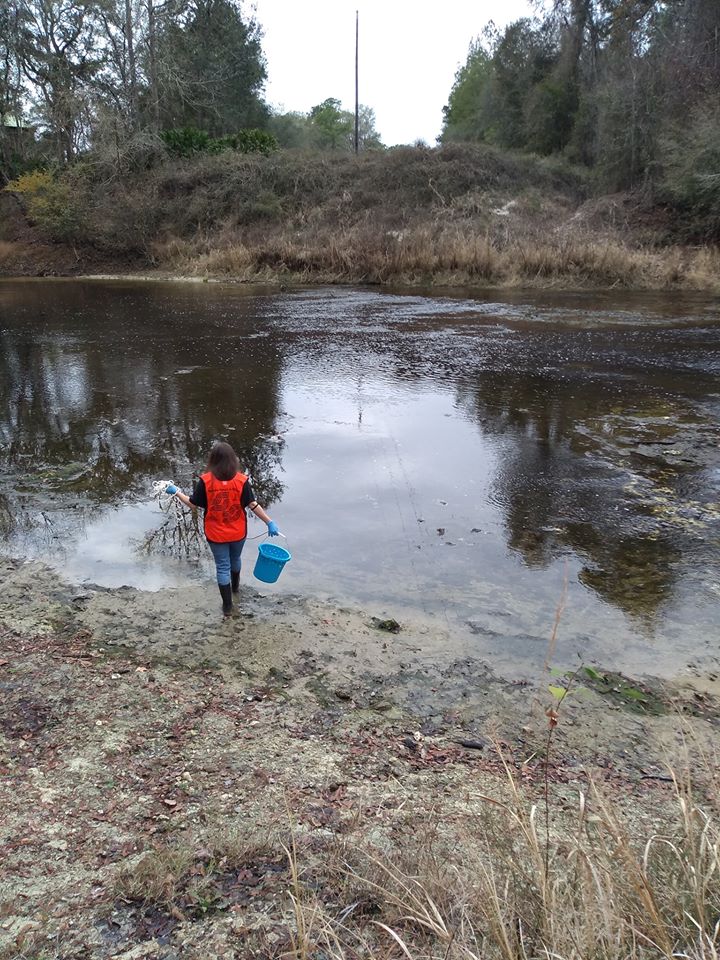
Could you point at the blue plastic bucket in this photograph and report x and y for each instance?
(270, 561)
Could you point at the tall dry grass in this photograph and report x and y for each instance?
(450, 255)
(7, 250)
(604, 893)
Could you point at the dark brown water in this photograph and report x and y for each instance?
(443, 458)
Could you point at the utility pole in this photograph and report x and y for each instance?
(357, 102)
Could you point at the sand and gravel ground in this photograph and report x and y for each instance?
(156, 761)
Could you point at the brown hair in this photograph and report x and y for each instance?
(223, 462)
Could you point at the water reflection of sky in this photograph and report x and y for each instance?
(452, 458)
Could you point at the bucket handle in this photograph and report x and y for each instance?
(274, 538)
(268, 539)
(266, 535)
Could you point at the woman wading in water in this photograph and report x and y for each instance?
(225, 494)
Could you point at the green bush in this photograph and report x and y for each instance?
(254, 141)
(266, 206)
(188, 141)
(50, 203)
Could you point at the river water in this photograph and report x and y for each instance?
(455, 460)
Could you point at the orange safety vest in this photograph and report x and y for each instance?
(225, 518)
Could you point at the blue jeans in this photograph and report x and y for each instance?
(227, 557)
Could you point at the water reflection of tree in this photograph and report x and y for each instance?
(178, 535)
(8, 518)
(92, 375)
(555, 494)
(637, 574)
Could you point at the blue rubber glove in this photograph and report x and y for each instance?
(171, 489)
(273, 529)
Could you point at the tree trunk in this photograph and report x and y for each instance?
(152, 67)
(132, 66)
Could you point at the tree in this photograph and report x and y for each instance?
(12, 142)
(331, 126)
(690, 156)
(368, 136)
(292, 129)
(491, 97)
(211, 69)
(464, 115)
(10, 85)
(57, 52)
(118, 81)
(523, 58)
(608, 83)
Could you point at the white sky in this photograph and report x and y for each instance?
(409, 52)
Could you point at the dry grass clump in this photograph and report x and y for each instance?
(505, 891)
(9, 251)
(157, 877)
(188, 881)
(611, 262)
(442, 254)
(703, 271)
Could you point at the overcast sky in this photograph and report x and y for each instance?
(409, 52)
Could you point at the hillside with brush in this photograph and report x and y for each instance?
(578, 147)
(461, 214)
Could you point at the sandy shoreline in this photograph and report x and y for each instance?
(134, 724)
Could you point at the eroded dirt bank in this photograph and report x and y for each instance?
(156, 758)
(26, 252)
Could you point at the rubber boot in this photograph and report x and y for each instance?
(226, 594)
(235, 577)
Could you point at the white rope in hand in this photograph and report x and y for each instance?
(160, 491)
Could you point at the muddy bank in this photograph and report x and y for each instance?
(38, 259)
(25, 252)
(155, 758)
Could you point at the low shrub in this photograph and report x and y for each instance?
(51, 203)
(188, 141)
(252, 141)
